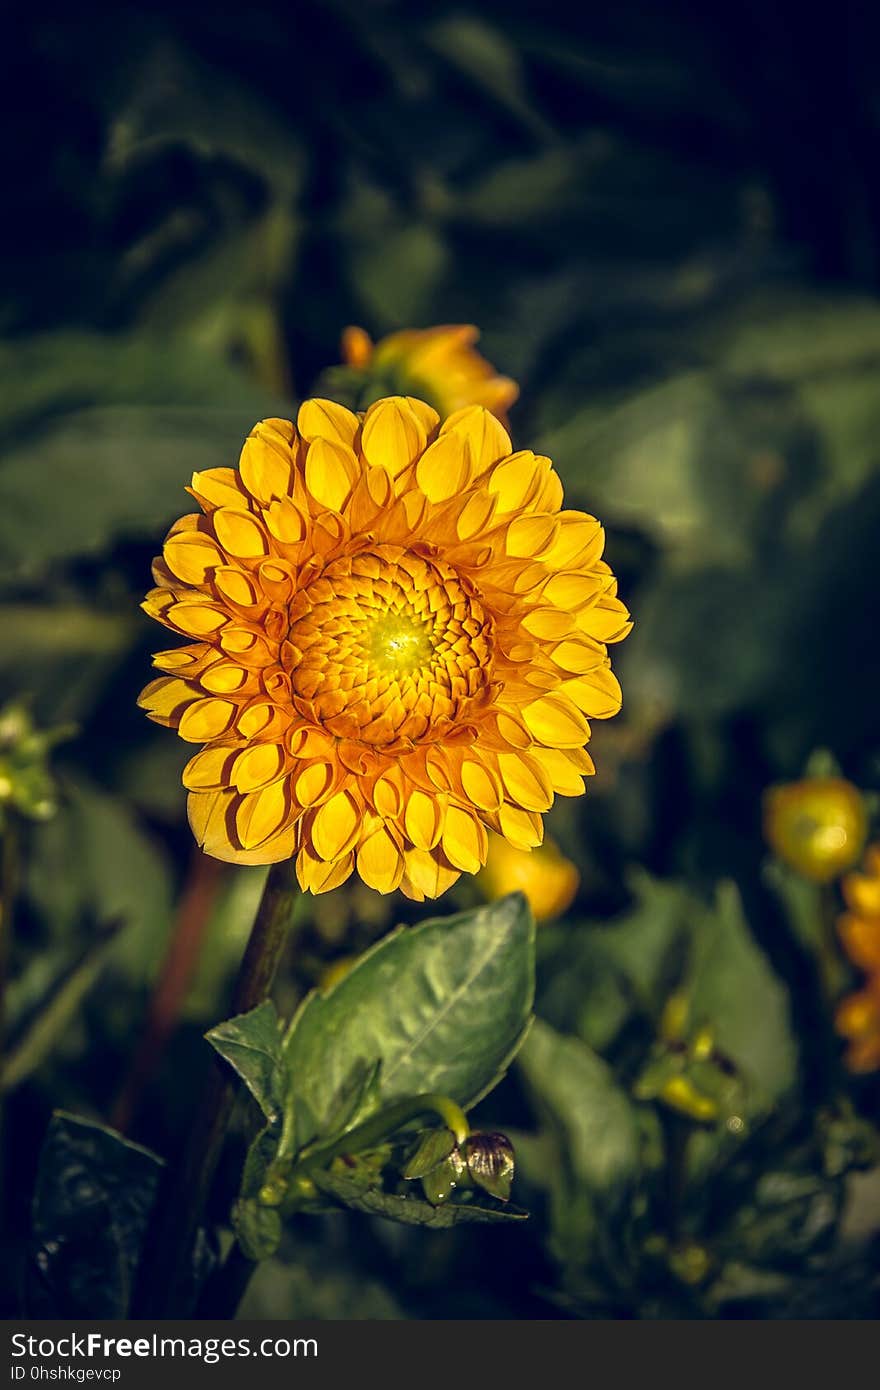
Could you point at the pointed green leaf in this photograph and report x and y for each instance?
(583, 1102)
(444, 1005)
(410, 1210)
(251, 1043)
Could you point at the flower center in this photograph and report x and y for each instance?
(386, 644)
(400, 644)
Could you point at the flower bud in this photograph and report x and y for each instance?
(432, 1150)
(817, 826)
(548, 880)
(490, 1162)
(439, 1185)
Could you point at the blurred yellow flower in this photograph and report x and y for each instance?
(858, 1015)
(439, 364)
(817, 826)
(548, 880)
(397, 637)
(858, 1020)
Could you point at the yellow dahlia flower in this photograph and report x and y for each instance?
(440, 364)
(817, 825)
(397, 637)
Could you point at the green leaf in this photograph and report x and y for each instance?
(94, 1195)
(178, 102)
(112, 422)
(95, 860)
(411, 1211)
(257, 1228)
(592, 1114)
(251, 1043)
(734, 992)
(443, 1005)
(61, 654)
(53, 1015)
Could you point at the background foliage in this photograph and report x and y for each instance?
(666, 221)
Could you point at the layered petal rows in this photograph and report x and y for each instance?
(396, 636)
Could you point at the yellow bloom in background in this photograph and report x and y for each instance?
(817, 826)
(548, 880)
(397, 637)
(858, 1020)
(858, 1015)
(440, 364)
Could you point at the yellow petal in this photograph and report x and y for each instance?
(219, 487)
(336, 826)
(315, 876)
(240, 534)
(465, 842)
(597, 693)
(320, 419)
(388, 794)
(480, 785)
(578, 656)
(548, 623)
(257, 766)
(380, 862)
(425, 413)
(285, 522)
(554, 720)
(313, 783)
(571, 590)
(206, 719)
(225, 678)
(423, 820)
(261, 814)
(426, 874)
(191, 555)
(392, 435)
(516, 480)
(165, 699)
(310, 743)
(530, 536)
(564, 776)
(236, 586)
(196, 619)
(488, 440)
(524, 829)
(331, 470)
(208, 770)
(607, 620)
(249, 648)
(579, 537)
(476, 515)
(525, 782)
(209, 816)
(443, 469)
(266, 463)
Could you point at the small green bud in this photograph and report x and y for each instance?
(433, 1148)
(439, 1185)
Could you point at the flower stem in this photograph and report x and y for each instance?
(168, 1283)
(386, 1122)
